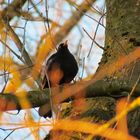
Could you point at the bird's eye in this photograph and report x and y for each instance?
(61, 45)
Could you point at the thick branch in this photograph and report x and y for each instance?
(95, 87)
(37, 98)
(10, 101)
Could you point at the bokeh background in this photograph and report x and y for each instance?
(31, 27)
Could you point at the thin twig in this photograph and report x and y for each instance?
(46, 74)
(95, 9)
(19, 44)
(8, 134)
(36, 9)
(77, 8)
(7, 73)
(11, 50)
(83, 66)
(93, 40)
(48, 25)
(133, 88)
(34, 5)
(24, 38)
(95, 34)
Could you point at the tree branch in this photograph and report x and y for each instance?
(19, 44)
(99, 86)
(12, 10)
(9, 101)
(5, 17)
(73, 20)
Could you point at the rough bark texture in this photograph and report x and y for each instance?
(122, 28)
(114, 89)
(122, 37)
(122, 34)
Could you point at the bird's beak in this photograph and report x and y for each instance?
(66, 43)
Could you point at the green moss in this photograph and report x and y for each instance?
(122, 28)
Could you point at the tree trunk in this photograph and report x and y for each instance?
(122, 35)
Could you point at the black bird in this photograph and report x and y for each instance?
(60, 68)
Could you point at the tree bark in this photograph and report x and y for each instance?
(100, 88)
(122, 35)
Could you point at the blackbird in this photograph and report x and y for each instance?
(60, 68)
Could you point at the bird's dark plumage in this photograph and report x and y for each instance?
(60, 68)
(64, 61)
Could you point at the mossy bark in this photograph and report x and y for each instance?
(122, 37)
(122, 34)
(122, 28)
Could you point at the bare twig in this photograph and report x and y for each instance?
(82, 12)
(83, 67)
(11, 50)
(34, 5)
(93, 40)
(19, 44)
(9, 134)
(95, 9)
(21, 71)
(72, 21)
(48, 25)
(95, 34)
(133, 88)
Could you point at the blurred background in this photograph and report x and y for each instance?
(31, 23)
